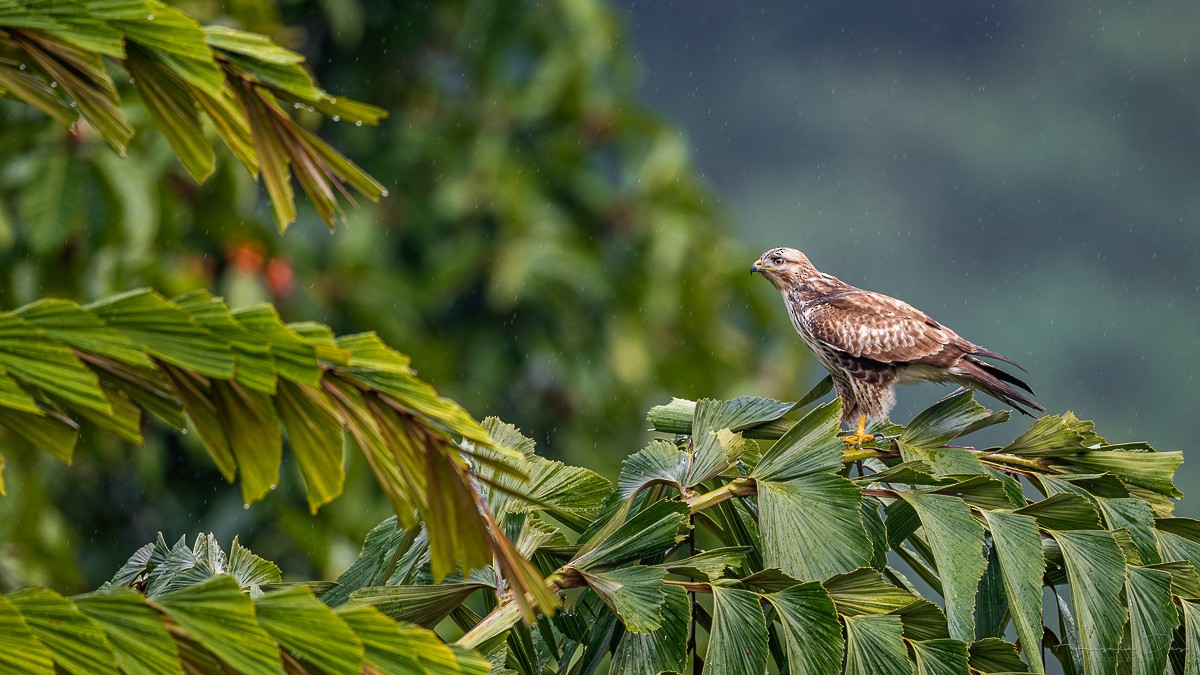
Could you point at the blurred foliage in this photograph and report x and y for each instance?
(546, 254)
(55, 56)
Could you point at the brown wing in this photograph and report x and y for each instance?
(880, 328)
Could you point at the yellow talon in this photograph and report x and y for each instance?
(861, 436)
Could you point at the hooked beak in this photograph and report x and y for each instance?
(757, 266)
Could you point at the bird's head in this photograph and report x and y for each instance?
(784, 267)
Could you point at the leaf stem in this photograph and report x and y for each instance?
(738, 487)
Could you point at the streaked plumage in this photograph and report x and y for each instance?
(870, 342)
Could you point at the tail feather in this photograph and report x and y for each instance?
(980, 351)
(996, 383)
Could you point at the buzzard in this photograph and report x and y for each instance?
(870, 342)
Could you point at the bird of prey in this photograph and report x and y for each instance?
(870, 342)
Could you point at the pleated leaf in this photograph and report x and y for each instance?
(634, 593)
(738, 640)
(22, 652)
(651, 531)
(810, 446)
(865, 591)
(76, 643)
(660, 650)
(875, 646)
(1152, 619)
(812, 635)
(310, 630)
(940, 657)
(422, 605)
(811, 526)
(222, 618)
(135, 631)
(1018, 547)
(399, 648)
(957, 542)
(1096, 570)
(945, 420)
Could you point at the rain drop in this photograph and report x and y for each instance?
(383, 193)
(358, 123)
(296, 106)
(183, 431)
(272, 486)
(337, 118)
(54, 85)
(22, 66)
(149, 17)
(246, 506)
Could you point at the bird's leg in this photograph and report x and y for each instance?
(861, 436)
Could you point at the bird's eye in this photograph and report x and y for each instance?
(777, 261)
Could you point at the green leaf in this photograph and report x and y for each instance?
(573, 494)
(957, 542)
(51, 432)
(315, 436)
(812, 635)
(1064, 511)
(173, 109)
(178, 41)
(255, 366)
(993, 655)
(658, 463)
(811, 527)
(810, 446)
(1152, 619)
(22, 652)
(250, 44)
(166, 331)
(28, 355)
(198, 401)
(940, 657)
(250, 570)
(943, 461)
(875, 646)
(253, 429)
(634, 593)
(715, 451)
(295, 358)
(1135, 516)
(922, 620)
(13, 396)
(135, 631)
(422, 605)
(947, 419)
(67, 322)
(75, 642)
(37, 92)
(1191, 623)
(1018, 547)
(872, 520)
(738, 414)
(397, 648)
(310, 630)
(1055, 436)
(1096, 570)
(864, 591)
(710, 564)
(738, 639)
(82, 76)
(651, 531)
(1153, 471)
(661, 650)
(221, 618)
